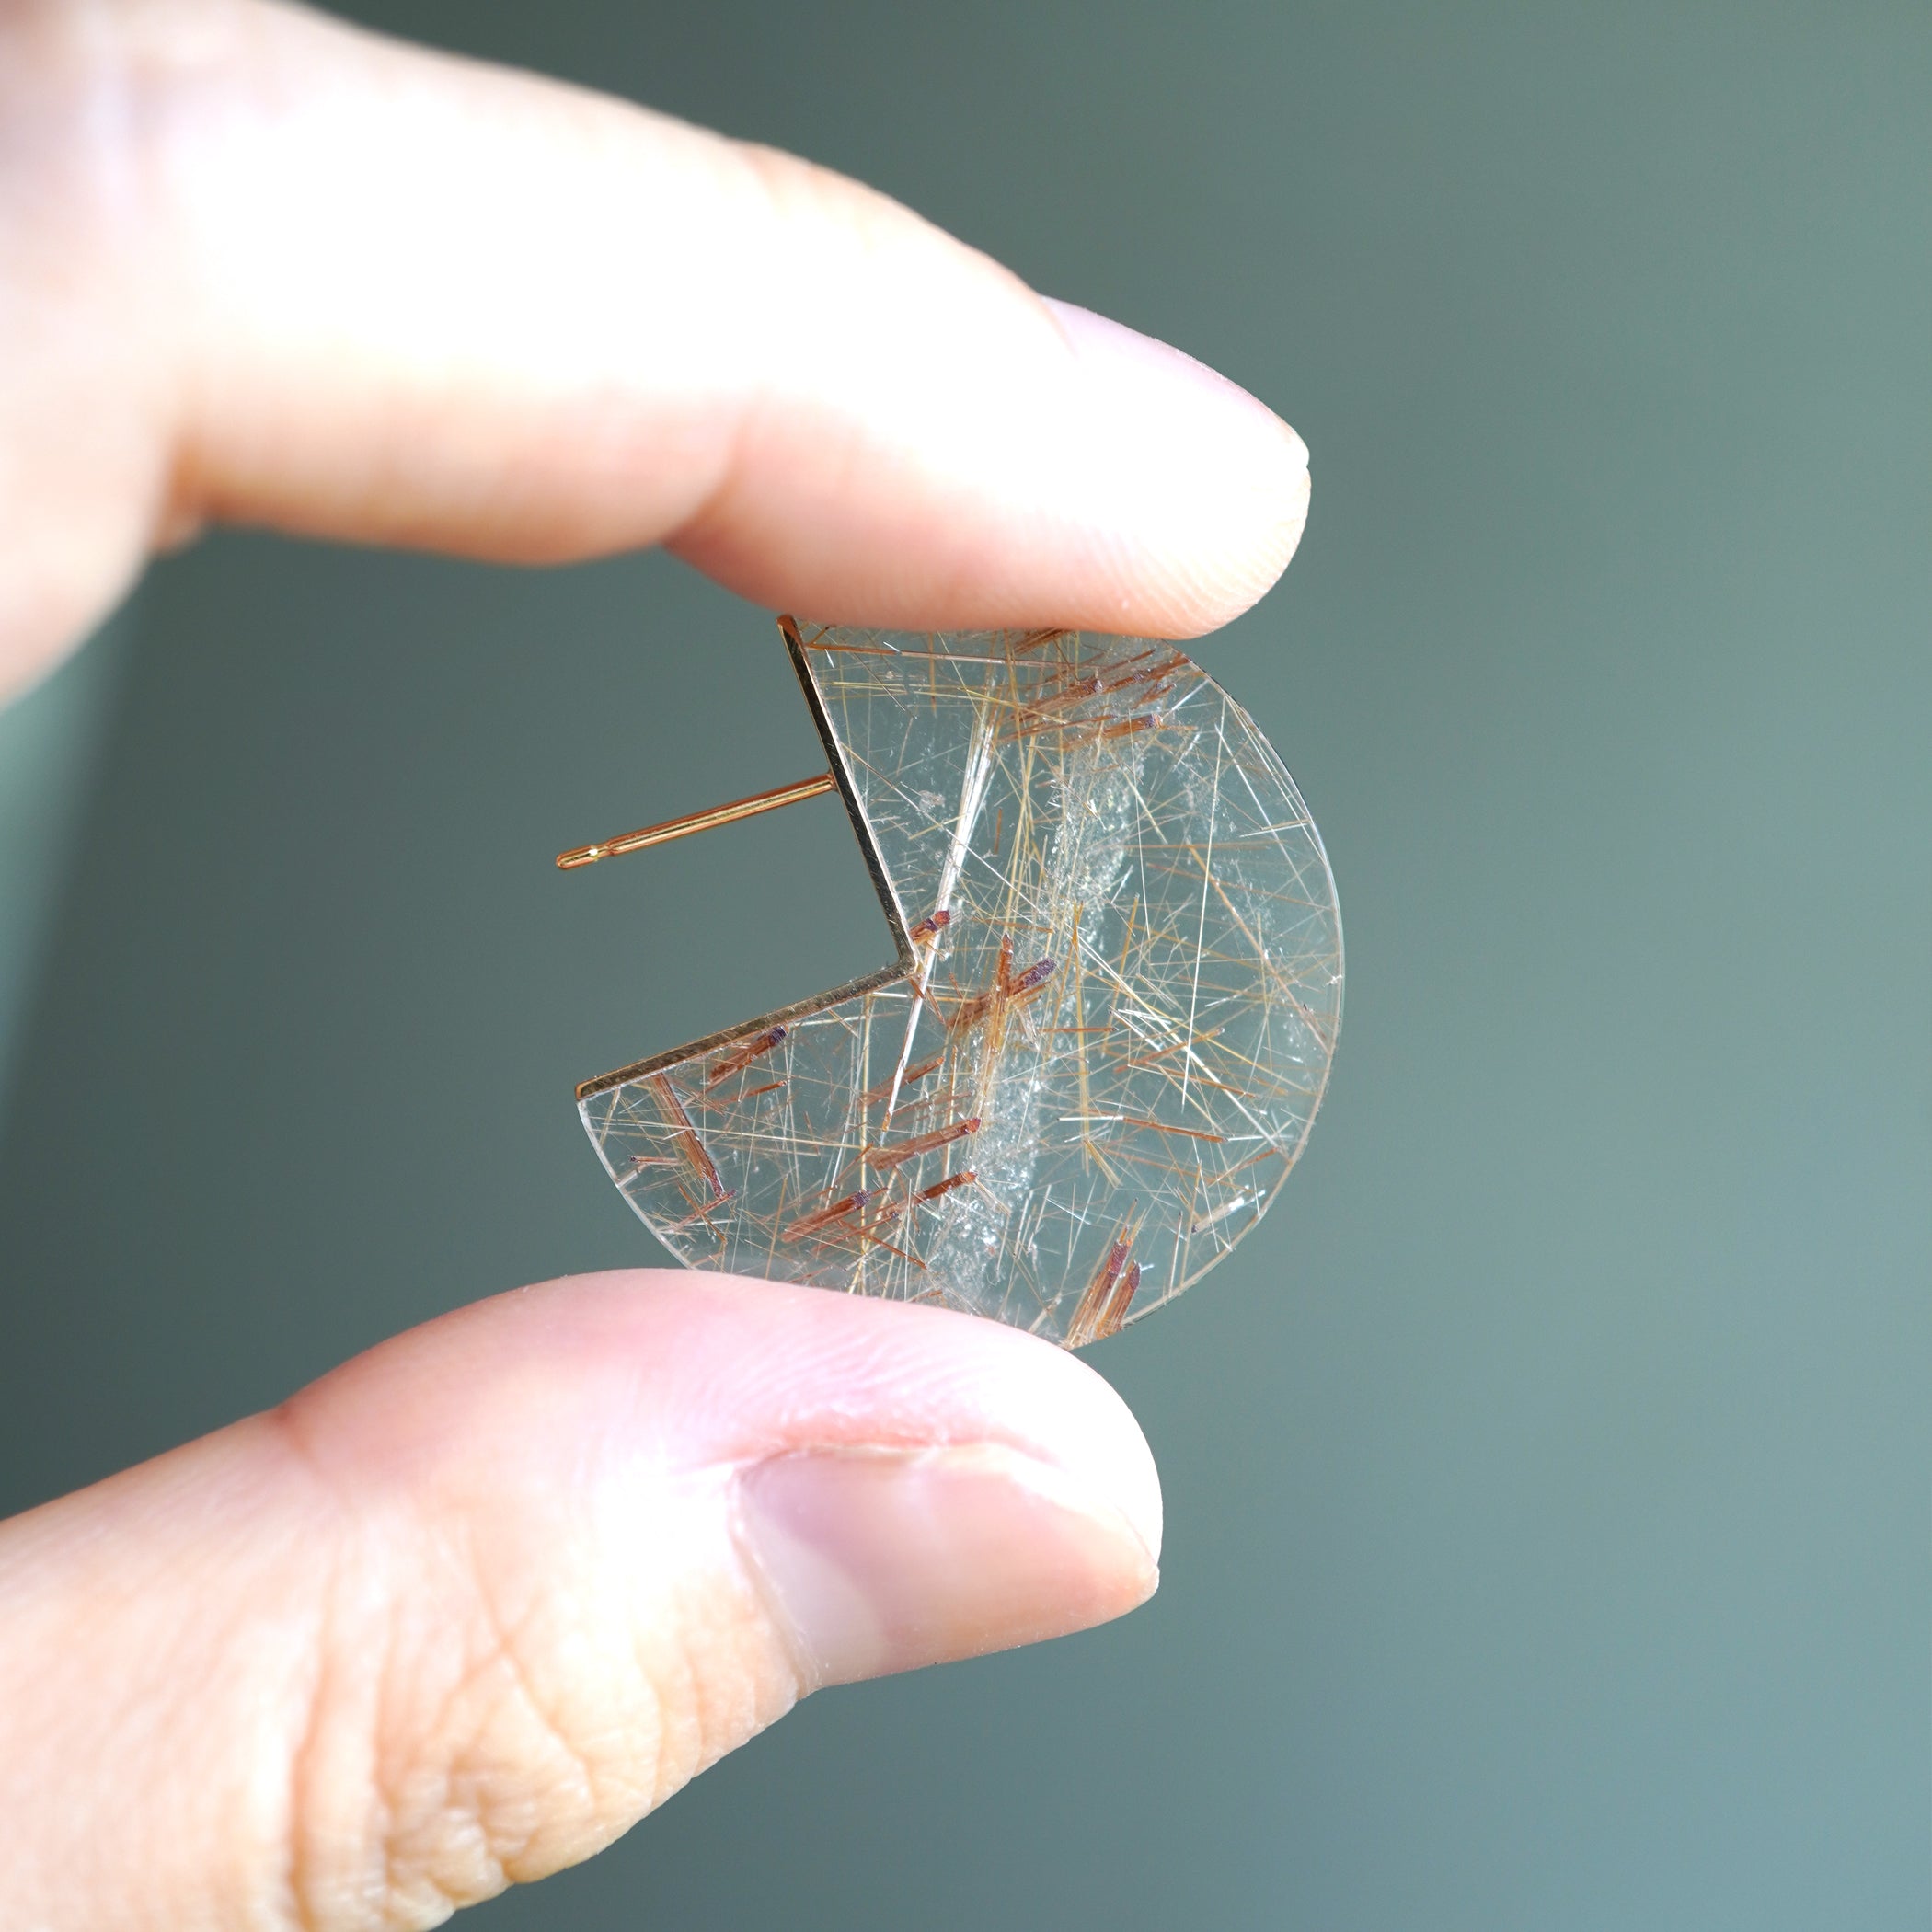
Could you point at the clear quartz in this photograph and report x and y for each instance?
(1119, 1026)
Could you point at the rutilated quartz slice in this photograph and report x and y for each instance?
(1118, 998)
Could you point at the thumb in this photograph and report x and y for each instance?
(466, 1609)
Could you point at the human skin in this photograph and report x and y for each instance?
(462, 1611)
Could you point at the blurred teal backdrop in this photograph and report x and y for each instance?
(1549, 1479)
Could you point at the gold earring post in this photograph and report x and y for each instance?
(583, 856)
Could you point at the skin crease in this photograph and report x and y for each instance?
(463, 1610)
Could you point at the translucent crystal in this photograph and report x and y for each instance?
(1111, 1022)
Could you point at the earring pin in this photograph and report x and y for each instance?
(779, 795)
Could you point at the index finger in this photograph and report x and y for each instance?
(364, 291)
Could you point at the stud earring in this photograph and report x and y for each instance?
(1107, 1022)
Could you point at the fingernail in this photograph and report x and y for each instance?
(1110, 351)
(883, 1560)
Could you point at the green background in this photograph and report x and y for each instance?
(1548, 1477)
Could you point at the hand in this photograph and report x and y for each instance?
(463, 1610)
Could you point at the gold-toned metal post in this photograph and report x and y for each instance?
(698, 822)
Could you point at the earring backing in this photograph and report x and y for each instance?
(1109, 1019)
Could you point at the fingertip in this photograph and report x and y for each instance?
(390, 311)
(692, 1371)
(1208, 486)
(907, 1485)
(461, 1612)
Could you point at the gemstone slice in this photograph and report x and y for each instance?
(1110, 1025)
